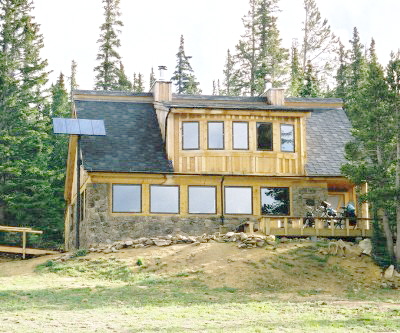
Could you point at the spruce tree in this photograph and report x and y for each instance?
(259, 56)
(342, 73)
(230, 85)
(183, 77)
(296, 73)
(123, 82)
(108, 69)
(310, 87)
(152, 79)
(138, 83)
(73, 82)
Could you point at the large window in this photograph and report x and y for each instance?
(287, 138)
(126, 198)
(164, 199)
(202, 200)
(215, 135)
(240, 133)
(264, 136)
(190, 135)
(238, 200)
(275, 201)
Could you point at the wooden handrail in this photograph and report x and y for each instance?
(24, 231)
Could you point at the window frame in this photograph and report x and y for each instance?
(294, 138)
(215, 199)
(179, 199)
(223, 134)
(272, 135)
(233, 134)
(140, 199)
(251, 200)
(183, 134)
(261, 201)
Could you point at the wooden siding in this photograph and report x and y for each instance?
(235, 161)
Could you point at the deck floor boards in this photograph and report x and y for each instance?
(15, 249)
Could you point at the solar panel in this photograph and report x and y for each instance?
(78, 126)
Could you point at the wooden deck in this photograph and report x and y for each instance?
(16, 249)
(23, 249)
(324, 227)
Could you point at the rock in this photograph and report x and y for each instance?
(113, 249)
(138, 246)
(149, 242)
(243, 236)
(196, 243)
(396, 274)
(389, 272)
(128, 243)
(260, 243)
(229, 234)
(242, 246)
(162, 242)
(284, 240)
(106, 251)
(270, 238)
(366, 246)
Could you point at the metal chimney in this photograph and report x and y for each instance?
(162, 70)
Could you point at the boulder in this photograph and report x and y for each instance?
(229, 234)
(162, 242)
(389, 272)
(366, 246)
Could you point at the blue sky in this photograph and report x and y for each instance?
(152, 28)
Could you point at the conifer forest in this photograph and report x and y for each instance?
(33, 159)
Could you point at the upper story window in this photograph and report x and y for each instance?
(264, 136)
(215, 135)
(240, 135)
(190, 135)
(287, 138)
(126, 198)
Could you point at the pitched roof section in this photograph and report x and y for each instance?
(133, 142)
(327, 132)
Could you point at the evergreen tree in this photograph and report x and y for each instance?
(123, 82)
(319, 43)
(152, 79)
(342, 74)
(230, 84)
(296, 73)
(183, 77)
(310, 87)
(138, 83)
(259, 55)
(108, 69)
(372, 153)
(73, 82)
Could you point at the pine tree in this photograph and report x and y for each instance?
(296, 73)
(319, 43)
(183, 77)
(108, 70)
(152, 79)
(138, 83)
(342, 74)
(123, 82)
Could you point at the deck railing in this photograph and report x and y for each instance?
(322, 226)
(23, 231)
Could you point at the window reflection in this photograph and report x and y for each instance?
(126, 199)
(215, 135)
(164, 199)
(287, 138)
(238, 200)
(190, 135)
(240, 135)
(275, 201)
(264, 136)
(202, 200)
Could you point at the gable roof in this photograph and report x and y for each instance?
(133, 142)
(327, 132)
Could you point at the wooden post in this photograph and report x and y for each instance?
(347, 228)
(23, 244)
(301, 226)
(332, 223)
(267, 222)
(285, 225)
(316, 226)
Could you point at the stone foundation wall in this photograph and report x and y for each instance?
(99, 227)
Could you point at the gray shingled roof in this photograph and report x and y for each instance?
(133, 142)
(328, 131)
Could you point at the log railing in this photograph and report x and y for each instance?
(322, 226)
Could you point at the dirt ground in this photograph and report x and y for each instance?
(290, 267)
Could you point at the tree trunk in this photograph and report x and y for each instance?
(397, 200)
(388, 233)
